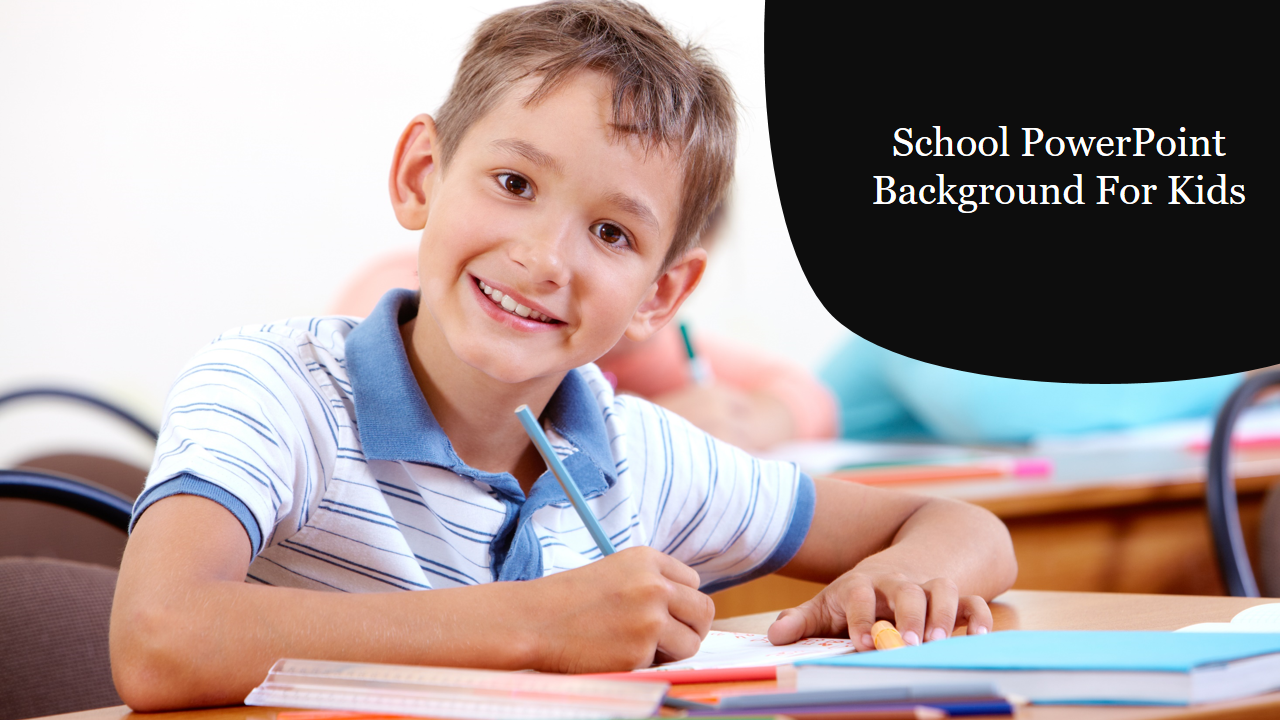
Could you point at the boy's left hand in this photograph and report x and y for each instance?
(926, 610)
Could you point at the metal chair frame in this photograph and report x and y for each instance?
(1220, 490)
(105, 504)
(83, 398)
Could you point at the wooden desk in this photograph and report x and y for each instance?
(1104, 521)
(1015, 610)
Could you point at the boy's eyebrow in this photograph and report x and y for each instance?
(636, 208)
(528, 152)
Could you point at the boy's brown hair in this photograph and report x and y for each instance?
(665, 92)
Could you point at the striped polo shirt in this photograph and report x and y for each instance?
(314, 434)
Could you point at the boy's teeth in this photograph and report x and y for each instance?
(510, 305)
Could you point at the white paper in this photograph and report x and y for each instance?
(1257, 619)
(728, 650)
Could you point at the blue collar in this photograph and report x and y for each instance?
(395, 423)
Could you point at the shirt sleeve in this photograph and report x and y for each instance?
(243, 426)
(728, 515)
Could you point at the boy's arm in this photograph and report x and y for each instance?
(924, 562)
(187, 631)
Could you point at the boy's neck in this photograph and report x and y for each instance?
(476, 412)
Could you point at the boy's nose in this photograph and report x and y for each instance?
(543, 252)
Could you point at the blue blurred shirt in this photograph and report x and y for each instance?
(886, 395)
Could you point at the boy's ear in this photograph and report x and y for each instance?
(667, 294)
(413, 170)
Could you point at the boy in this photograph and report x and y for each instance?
(559, 191)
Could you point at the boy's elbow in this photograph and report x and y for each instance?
(145, 660)
(1005, 566)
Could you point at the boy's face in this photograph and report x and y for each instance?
(542, 207)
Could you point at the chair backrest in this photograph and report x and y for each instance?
(54, 617)
(36, 529)
(93, 500)
(55, 614)
(31, 528)
(1220, 493)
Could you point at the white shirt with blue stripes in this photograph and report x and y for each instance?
(314, 434)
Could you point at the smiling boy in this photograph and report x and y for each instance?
(310, 470)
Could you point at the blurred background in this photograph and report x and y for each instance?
(172, 170)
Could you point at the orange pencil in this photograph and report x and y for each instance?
(1021, 467)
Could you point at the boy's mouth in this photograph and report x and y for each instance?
(506, 302)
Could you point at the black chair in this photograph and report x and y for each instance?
(47, 530)
(1220, 499)
(55, 614)
(105, 504)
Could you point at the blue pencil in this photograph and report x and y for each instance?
(558, 469)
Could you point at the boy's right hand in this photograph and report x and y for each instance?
(622, 612)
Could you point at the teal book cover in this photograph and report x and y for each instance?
(1068, 650)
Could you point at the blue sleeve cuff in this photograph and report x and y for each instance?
(787, 547)
(188, 484)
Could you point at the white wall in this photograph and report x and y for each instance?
(171, 170)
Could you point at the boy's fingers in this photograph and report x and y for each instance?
(693, 609)
(676, 571)
(909, 606)
(944, 599)
(978, 614)
(678, 641)
(797, 623)
(858, 604)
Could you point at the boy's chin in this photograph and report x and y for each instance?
(510, 371)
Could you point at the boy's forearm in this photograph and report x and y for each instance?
(926, 563)
(187, 631)
(955, 540)
(212, 644)
(919, 537)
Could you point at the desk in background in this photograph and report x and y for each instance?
(1015, 610)
(1105, 521)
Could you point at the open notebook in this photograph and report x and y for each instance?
(1257, 619)
(732, 650)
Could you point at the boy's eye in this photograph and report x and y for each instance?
(610, 233)
(515, 184)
